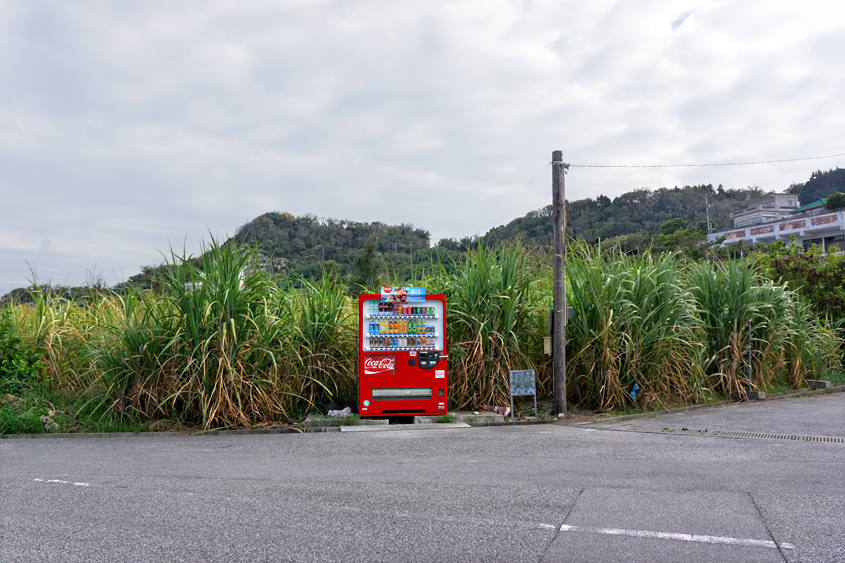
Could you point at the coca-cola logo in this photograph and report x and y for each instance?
(374, 365)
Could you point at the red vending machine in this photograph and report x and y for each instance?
(401, 353)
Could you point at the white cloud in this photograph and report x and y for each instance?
(125, 126)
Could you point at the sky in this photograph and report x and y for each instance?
(128, 128)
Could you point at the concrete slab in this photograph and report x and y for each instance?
(756, 395)
(394, 427)
(689, 525)
(597, 548)
(477, 417)
(317, 420)
(819, 384)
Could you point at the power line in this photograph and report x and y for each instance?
(690, 165)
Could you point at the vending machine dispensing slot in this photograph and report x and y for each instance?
(402, 361)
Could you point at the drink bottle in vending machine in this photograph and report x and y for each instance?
(402, 356)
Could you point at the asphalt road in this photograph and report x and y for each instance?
(555, 492)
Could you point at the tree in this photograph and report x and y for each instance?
(368, 264)
(835, 201)
(672, 225)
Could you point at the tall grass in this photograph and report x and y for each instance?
(633, 325)
(495, 322)
(740, 313)
(219, 345)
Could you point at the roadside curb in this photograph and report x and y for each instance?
(321, 429)
(177, 434)
(653, 414)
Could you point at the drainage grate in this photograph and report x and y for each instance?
(732, 434)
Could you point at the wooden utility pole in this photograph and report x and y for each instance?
(559, 307)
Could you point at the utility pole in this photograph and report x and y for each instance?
(559, 307)
(707, 203)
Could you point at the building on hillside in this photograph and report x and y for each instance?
(811, 224)
(771, 207)
(811, 209)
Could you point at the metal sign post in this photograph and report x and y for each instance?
(522, 383)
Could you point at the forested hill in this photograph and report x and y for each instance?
(821, 184)
(639, 211)
(306, 244)
(643, 211)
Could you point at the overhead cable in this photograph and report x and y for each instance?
(691, 165)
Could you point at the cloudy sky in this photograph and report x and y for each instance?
(128, 127)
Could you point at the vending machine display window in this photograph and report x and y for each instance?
(402, 359)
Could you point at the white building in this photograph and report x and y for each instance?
(811, 224)
(771, 207)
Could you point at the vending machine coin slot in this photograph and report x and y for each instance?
(428, 360)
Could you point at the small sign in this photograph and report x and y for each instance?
(523, 383)
(440, 374)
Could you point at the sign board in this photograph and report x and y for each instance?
(523, 382)
(403, 294)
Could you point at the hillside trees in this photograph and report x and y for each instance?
(821, 184)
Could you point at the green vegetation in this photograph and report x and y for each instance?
(835, 201)
(261, 329)
(215, 347)
(820, 278)
(639, 214)
(820, 185)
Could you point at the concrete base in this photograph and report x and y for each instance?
(428, 419)
(819, 384)
(756, 395)
(477, 417)
(316, 420)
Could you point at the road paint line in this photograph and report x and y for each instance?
(57, 481)
(674, 536)
(39, 480)
(82, 484)
(548, 526)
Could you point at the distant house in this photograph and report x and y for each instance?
(778, 217)
(771, 207)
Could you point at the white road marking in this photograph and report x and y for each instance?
(64, 482)
(548, 526)
(674, 536)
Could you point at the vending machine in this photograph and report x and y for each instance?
(402, 353)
